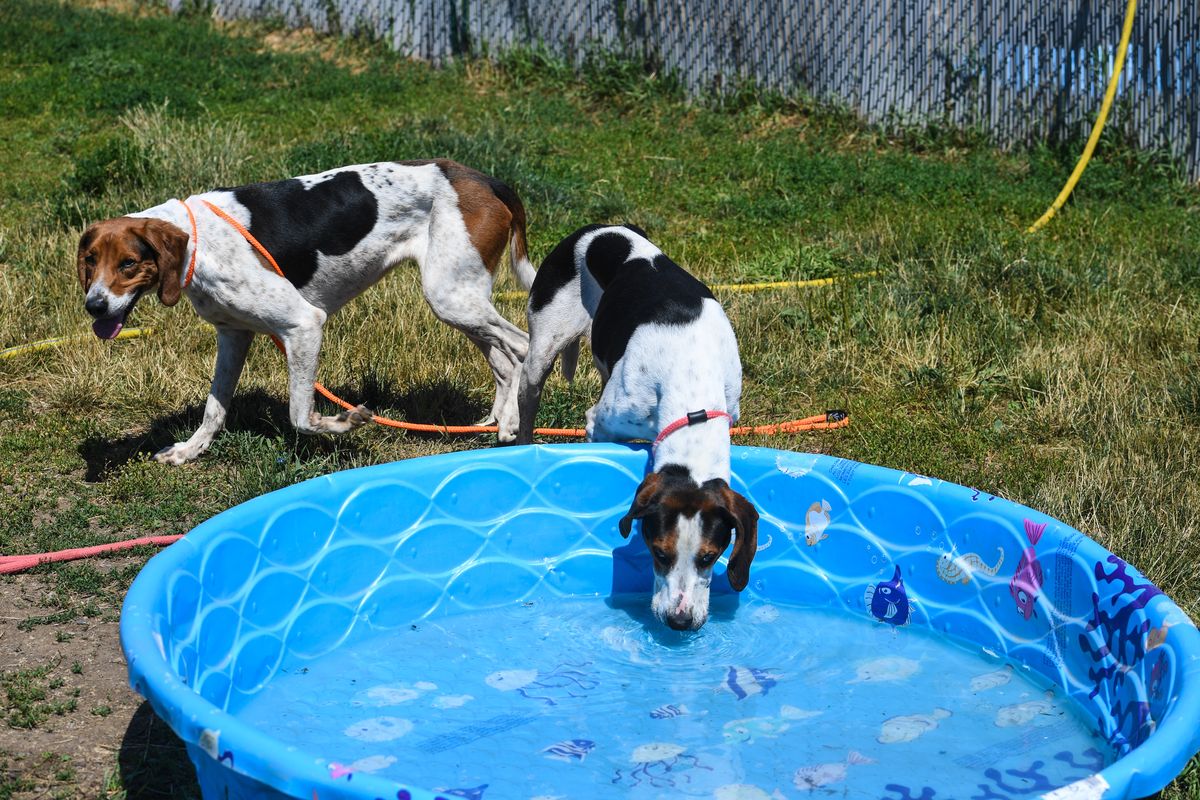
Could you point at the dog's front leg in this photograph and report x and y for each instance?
(302, 344)
(232, 346)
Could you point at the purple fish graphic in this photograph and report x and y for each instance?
(888, 602)
(1027, 580)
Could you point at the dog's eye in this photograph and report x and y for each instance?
(127, 264)
(660, 554)
(706, 558)
(90, 259)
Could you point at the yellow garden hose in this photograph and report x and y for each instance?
(46, 344)
(1101, 118)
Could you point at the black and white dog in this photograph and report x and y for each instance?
(669, 363)
(330, 236)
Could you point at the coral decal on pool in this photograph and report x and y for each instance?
(888, 601)
(1027, 782)
(819, 775)
(661, 764)
(747, 681)
(953, 568)
(1116, 644)
(1027, 580)
(562, 682)
(910, 727)
(816, 520)
(571, 750)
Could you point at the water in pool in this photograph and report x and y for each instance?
(582, 698)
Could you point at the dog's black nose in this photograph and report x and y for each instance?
(96, 306)
(680, 622)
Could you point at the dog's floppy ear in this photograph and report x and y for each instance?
(85, 242)
(169, 244)
(745, 519)
(643, 502)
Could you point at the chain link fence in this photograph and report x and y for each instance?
(1022, 71)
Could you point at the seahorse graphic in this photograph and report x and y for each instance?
(958, 569)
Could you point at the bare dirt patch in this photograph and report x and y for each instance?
(73, 727)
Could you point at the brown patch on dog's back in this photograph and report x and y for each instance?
(486, 215)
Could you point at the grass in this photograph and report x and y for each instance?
(1058, 370)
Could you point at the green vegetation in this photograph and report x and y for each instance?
(1059, 370)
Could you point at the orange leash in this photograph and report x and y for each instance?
(827, 421)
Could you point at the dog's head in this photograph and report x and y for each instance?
(120, 259)
(687, 527)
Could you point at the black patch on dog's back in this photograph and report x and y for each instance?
(558, 268)
(643, 292)
(606, 254)
(294, 224)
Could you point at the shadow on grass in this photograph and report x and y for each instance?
(153, 761)
(265, 415)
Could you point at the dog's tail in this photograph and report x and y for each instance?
(519, 253)
(569, 360)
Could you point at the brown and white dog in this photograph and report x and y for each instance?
(669, 362)
(333, 235)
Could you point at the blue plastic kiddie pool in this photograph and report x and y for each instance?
(473, 625)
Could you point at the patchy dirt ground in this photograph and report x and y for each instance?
(72, 726)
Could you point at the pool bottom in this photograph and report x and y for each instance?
(576, 698)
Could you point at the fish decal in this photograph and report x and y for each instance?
(747, 681)
(747, 730)
(881, 670)
(819, 775)
(1027, 580)
(1033, 712)
(1157, 637)
(668, 712)
(1155, 683)
(816, 521)
(379, 729)
(888, 602)
(991, 680)
(953, 568)
(570, 750)
(368, 764)
(910, 727)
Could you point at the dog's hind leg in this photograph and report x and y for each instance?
(466, 305)
(232, 346)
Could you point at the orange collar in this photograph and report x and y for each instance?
(195, 245)
(237, 226)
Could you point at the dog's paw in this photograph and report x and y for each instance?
(177, 454)
(507, 434)
(359, 415)
(345, 421)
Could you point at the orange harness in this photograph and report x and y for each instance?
(826, 421)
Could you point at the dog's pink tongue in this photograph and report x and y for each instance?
(108, 328)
